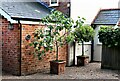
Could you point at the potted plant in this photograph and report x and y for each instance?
(51, 37)
(83, 33)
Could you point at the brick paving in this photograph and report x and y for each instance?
(90, 71)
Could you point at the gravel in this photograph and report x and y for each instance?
(90, 71)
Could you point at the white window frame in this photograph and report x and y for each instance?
(55, 4)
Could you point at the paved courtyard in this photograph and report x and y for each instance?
(91, 71)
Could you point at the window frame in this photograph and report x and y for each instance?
(55, 4)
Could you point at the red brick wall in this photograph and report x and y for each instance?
(10, 48)
(61, 7)
(11, 51)
(31, 64)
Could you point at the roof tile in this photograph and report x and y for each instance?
(32, 10)
(109, 16)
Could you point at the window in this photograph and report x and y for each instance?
(54, 2)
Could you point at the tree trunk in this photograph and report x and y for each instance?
(56, 51)
(82, 48)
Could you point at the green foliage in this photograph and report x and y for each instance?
(56, 33)
(83, 32)
(109, 36)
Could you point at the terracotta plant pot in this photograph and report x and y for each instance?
(82, 60)
(57, 67)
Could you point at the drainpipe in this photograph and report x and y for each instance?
(20, 26)
(92, 47)
(69, 8)
(92, 50)
(74, 44)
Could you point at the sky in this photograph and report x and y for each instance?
(89, 8)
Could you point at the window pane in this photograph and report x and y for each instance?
(53, 1)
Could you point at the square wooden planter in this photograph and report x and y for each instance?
(57, 67)
(82, 60)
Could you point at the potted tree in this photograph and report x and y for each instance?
(83, 33)
(51, 37)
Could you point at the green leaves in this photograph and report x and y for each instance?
(109, 36)
(31, 44)
(70, 37)
(58, 31)
(84, 33)
(54, 34)
(79, 22)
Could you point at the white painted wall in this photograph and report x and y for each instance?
(78, 50)
(70, 54)
(97, 46)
